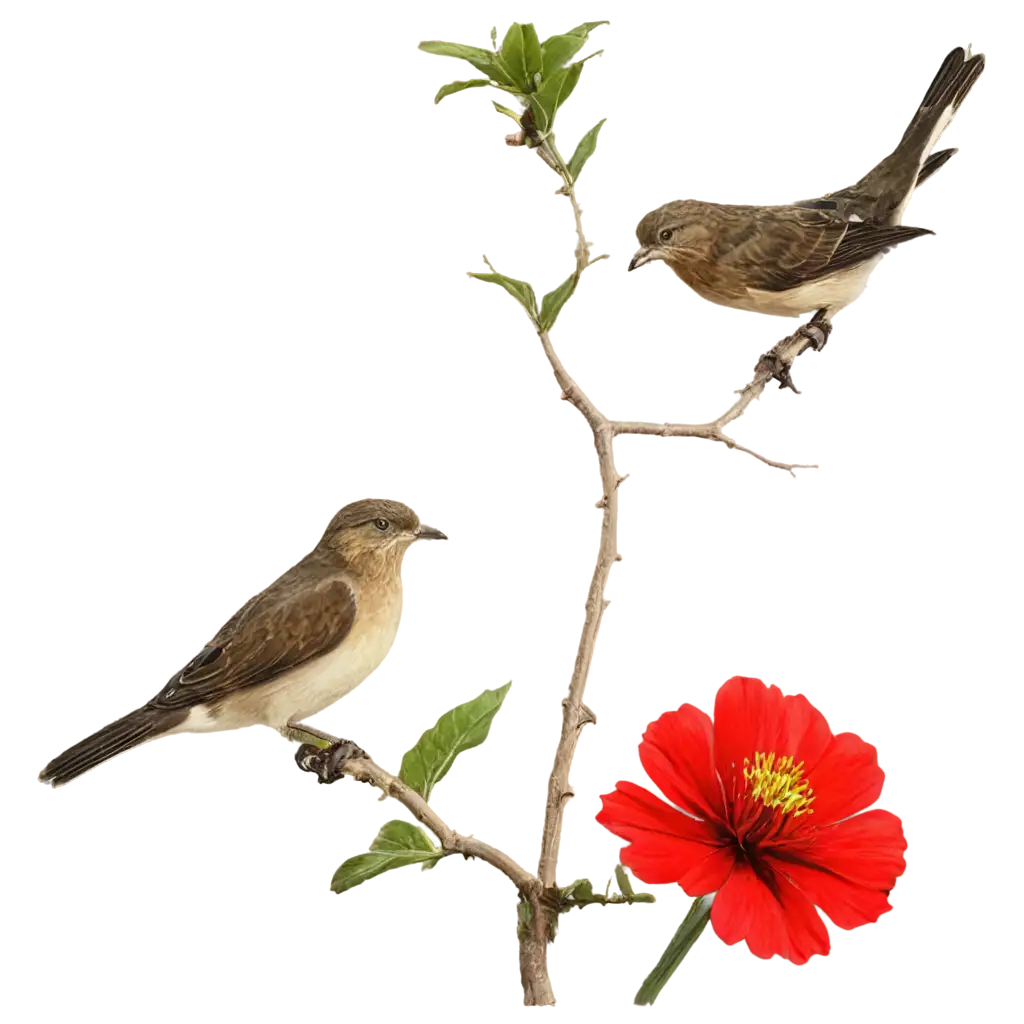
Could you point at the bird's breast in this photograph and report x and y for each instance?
(318, 683)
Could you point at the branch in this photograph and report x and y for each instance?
(345, 758)
(774, 364)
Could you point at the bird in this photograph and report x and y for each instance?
(289, 652)
(812, 255)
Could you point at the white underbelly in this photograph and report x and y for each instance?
(830, 293)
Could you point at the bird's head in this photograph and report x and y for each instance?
(676, 233)
(375, 533)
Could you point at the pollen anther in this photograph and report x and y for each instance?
(779, 784)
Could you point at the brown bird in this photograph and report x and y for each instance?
(814, 255)
(312, 636)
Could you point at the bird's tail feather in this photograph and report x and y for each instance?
(932, 164)
(953, 81)
(135, 728)
(948, 90)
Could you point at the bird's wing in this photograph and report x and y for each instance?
(783, 247)
(292, 622)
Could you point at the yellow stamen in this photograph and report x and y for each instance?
(779, 784)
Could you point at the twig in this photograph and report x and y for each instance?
(786, 352)
(365, 770)
(545, 901)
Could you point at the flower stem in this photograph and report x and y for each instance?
(689, 930)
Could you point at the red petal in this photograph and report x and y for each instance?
(770, 913)
(676, 753)
(666, 845)
(846, 779)
(748, 718)
(805, 734)
(846, 904)
(867, 850)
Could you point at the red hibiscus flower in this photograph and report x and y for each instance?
(766, 817)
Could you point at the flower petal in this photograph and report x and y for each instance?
(630, 810)
(748, 718)
(676, 753)
(767, 910)
(666, 845)
(846, 904)
(867, 850)
(805, 734)
(845, 780)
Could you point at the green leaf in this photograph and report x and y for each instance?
(512, 53)
(625, 888)
(584, 151)
(553, 92)
(531, 53)
(552, 303)
(586, 28)
(452, 87)
(520, 290)
(491, 64)
(582, 889)
(398, 843)
(565, 48)
(518, 118)
(557, 51)
(460, 729)
(687, 934)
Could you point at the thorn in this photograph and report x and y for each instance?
(618, 558)
(565, 396)
(586, 717)
(621, 480)
(516, 138)
(603, 503)
(604, 605)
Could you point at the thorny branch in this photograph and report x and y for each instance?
(575, 714)
(540, 897)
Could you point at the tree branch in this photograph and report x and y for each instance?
(365, 770)
(787, 351)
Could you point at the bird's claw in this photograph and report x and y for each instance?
(816, 332)
(326, 763)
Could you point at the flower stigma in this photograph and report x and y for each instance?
(779, 784)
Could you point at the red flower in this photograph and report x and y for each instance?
(765, 802)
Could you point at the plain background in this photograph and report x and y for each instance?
(229, 296)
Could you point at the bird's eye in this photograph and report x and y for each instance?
(666, 234)
(381, 524)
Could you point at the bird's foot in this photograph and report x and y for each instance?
(816, 331)
(327, 763)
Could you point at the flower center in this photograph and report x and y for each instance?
(779, 783)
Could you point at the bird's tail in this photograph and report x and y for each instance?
(948, 90)
(111, 740)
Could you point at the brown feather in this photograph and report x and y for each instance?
(286, 626)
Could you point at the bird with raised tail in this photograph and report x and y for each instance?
(311, 637)
(815, 255)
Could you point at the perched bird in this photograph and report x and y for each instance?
(814, 255)
(312, 636)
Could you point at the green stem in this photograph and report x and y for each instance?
(689, 930)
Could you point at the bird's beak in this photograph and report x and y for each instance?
(644, 255)
(429, 533)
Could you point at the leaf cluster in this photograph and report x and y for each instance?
(537, 73)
